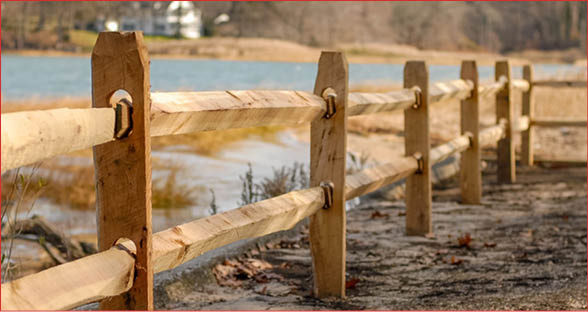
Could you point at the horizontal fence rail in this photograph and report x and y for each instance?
(29, 137)
(124, 273)
(560, 83)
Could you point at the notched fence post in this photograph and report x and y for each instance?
(505, 152)
(528, 110)
(416, 140)
(470, 172)
(328, 148)
(123, 166)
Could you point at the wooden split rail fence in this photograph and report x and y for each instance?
(121, 274)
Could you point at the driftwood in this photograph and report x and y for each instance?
(38, 229)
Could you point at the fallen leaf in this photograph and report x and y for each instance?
(464, 241)
(490, 244)
(456, 261)
(285, 265)
(378, 214)
(442, 252)
(351, 283)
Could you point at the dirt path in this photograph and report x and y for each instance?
(527, 251)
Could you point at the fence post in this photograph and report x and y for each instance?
(505, 152)
(328, 148)
(470, 173)
(123, 167)
(529, 111)
(416, 140)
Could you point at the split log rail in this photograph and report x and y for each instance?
(120, 276)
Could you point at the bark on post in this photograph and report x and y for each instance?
(529, 111)
(328, 146)
(416, 140)
(123, 166)
(505, 152)
(471, 174)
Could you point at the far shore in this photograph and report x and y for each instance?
(273, 50)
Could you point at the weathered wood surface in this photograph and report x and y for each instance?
(560, 83)
(64, 287)
(489, 89)
(552, 122)
(443, 151)
(360, 103)
(179, 244)
(491, 135)
(520, 84)
(527, 110)
(371, 179)
(522, 124)
(454, 89)
(109, 273)
(505, 151)
(328, 152)
(123, 167)
(28, 137)
(470, 172)
(417, 140)
(186, 112)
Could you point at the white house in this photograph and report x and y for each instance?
(160, 18)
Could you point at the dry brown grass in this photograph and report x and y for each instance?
(74, 186)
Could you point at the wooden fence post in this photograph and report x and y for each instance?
(470, 173)
(328, 148)
(505, 152)
(123, 167)
(416, 140)
(529, 111)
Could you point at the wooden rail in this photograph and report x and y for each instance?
(560, 83)
(29, 137)
(124, 273)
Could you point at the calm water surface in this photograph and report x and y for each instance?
(42, 76)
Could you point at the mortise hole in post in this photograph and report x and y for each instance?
(127, 245)
(122, 101)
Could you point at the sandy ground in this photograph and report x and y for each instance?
(527, 251)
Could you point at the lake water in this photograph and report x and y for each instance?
(43, 76)
(25, 77)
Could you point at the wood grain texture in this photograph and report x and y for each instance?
(552, 122)
(490, 89)
(491, 135)
(416, 140)
(454, 90)
(456, 145)
(182, 243)
(521, 84)
(72, 284)
(522, 124)
(373, 178)
(560, 83)
(505, 151)
(186, 112)
(328, 151)
(32, 136)
(123, 167)
(362, 103)
(470, 167)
